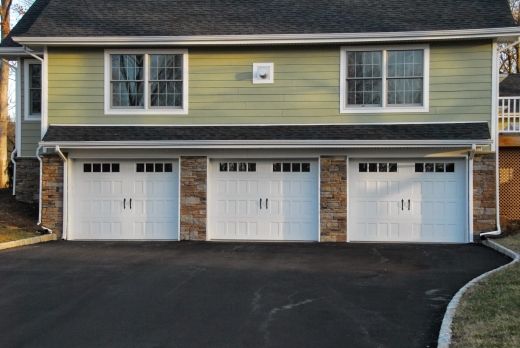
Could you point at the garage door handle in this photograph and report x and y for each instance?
(130, 203)
(402, 204)
(124, 203)
(267, 203)
(260, 203)
(408, 204)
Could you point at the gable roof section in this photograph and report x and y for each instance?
(137, 18)
(510, 86)
(466, 133)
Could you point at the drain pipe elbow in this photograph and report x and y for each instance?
(498, 232)
(14, 170)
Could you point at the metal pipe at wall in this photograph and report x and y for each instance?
(13, 153)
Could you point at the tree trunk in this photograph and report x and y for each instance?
(4, 83)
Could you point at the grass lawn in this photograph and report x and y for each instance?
(8, 235)
(489, 312)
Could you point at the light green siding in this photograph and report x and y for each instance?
(305, 88)
(30, 130)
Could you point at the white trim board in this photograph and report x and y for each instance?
(26, 115)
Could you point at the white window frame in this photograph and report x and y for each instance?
(26, 105)
(384, 108)
(146, 110)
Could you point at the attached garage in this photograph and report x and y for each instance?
(125, 200)
(274, 200)
(423, 200)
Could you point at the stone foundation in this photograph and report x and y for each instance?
(333, 199)
(52, 194)
(484, 193)
(27, 179)
(193, 198)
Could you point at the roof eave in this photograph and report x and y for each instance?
(266, 144)
(12, 53)
(506, 34)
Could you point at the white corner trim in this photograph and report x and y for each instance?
(385, 108)
(494, 98)
(45, 93)
(444, 340)
(18, 115)
(270, 39)
(146, 110)
(27, 115)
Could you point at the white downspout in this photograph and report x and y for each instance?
(470, 190)
(497, 148)
(41, 184)
(497, 193)
(14, 170)
(65, 192)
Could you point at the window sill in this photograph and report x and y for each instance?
(146, 111)
(32, 118)
(379, 110)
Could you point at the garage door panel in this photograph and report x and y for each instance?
(408, 205)
(263, 204)
(126, 203)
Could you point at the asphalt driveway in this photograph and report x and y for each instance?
(159, 294)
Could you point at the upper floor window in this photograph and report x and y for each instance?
(384, 79)
(33, 89)
(151, 82)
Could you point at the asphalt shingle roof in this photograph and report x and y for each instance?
(437, 131)
(73, 18)
(510, 86)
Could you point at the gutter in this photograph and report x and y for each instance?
(261, 144)
(270, 38)
(65, 191)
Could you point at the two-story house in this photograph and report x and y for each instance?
(336, 120)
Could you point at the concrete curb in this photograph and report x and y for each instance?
(445, 332)
(28, 241)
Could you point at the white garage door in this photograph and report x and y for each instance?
(264, 200)
(408, 201)
(118, 199)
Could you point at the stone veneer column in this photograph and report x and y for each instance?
(484, 193)
(333, 198)
(52, 193)
(27, 180)
(193, 198)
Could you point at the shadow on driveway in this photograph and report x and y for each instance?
(185, 294)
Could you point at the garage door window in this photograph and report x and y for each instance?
(154, 167)
(237, 166)
(100, 167)
(292, 167)
(435, 167)
(378, 167)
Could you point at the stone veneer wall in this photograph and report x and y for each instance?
(52, 194)
(27, 179)
(484, 193)
(333, 198)
(193, 198)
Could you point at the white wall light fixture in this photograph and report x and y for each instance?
(263, 72)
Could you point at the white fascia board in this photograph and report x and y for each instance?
(270, 39)
(13, 53)
(257, 144)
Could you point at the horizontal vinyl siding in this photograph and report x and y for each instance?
(305, 88)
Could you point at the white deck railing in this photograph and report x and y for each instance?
(509, 114)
